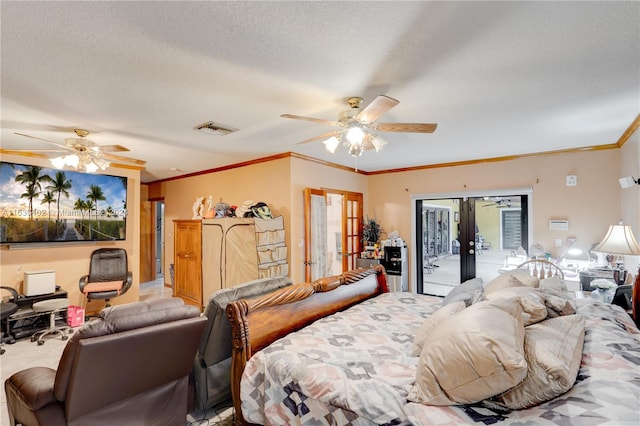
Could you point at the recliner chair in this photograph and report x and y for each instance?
(212, 366)
(109, 275)
(129, 366)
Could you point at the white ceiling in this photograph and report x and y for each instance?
(499, 78)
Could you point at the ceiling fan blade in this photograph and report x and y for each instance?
(43, 140)
(407, 127)
(121, 159)
(315, 120)
(35, 152)
(376, 108)
(111, 148)
(322, 136)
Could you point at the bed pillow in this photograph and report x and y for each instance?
(532, 301)
(505, 280)
(473, 355)
(468, 291)
(553, 350)
(433, 320)
(553, 283)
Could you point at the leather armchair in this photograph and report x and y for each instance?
(129, 366)
(212, 367)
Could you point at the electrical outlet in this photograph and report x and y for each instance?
(558, 242)
(19, 268)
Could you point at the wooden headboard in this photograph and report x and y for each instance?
(255, 323)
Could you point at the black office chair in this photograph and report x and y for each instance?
(109, 275)
(623, 296)
(6, 310)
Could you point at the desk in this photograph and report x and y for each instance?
(25, 321)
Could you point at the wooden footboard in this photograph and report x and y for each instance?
(255, 323)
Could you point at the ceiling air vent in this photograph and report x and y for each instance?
(216, 129)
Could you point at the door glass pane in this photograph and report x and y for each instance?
(498, 229)
(319, 235)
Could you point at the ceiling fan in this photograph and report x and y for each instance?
(503, 202)
(81, 153)
(357, 128)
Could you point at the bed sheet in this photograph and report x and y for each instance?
(355, 368)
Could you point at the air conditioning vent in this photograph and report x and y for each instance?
(216, 129)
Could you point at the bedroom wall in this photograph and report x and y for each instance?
(590, 207)
(267, 181)
(630, 197)
(310, 174)
(71, 261)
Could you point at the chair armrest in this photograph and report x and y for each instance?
(83, 282)
(14, 293)
(126, 284)
(32, 387)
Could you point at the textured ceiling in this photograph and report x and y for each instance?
(499, 78)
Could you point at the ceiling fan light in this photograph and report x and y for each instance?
(331, 144)
(58, 162)
(72, 160)
(90, 167)
(378, 143)
(355, 149)
(355, 135)
(101, 163)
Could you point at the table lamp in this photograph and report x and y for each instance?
(619, 241)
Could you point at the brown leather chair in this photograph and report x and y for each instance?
(109, 275)
(129, 366)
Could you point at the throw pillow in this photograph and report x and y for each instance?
(506, 280)
(531, 300)
(475, 354)
(553, 283)
(465, 292)
(433, 320)
(553, 350)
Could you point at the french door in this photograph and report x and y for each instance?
(463, 237)
(333, 227)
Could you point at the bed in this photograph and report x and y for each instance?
(340, 351)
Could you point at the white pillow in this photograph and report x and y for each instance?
(433, 320)
(472, 355)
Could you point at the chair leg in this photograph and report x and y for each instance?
(52, 330)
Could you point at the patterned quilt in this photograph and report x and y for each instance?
(355, 368)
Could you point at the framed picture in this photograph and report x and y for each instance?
(456, 216)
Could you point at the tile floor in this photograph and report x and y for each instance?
(24, 354)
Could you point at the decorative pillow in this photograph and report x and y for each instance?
(553, 350)
(558, 303)
(553, 283)
(532, 301)
(475, 354)
(465, 292)
(526, 278)
(506, 280)
(433, 320)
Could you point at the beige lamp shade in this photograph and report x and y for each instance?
(619, 240)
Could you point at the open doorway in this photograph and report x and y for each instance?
(333, 225)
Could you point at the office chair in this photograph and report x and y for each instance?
(109, 275)
(6, 310)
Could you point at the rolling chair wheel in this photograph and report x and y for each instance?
(40, 342)
(34, 338)
(65, 337)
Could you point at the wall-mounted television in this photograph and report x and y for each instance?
(43, 205)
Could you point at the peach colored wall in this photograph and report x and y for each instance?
(267, 181)
(590, 207)
(309, 174)
(630, 197)
(71, 261)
